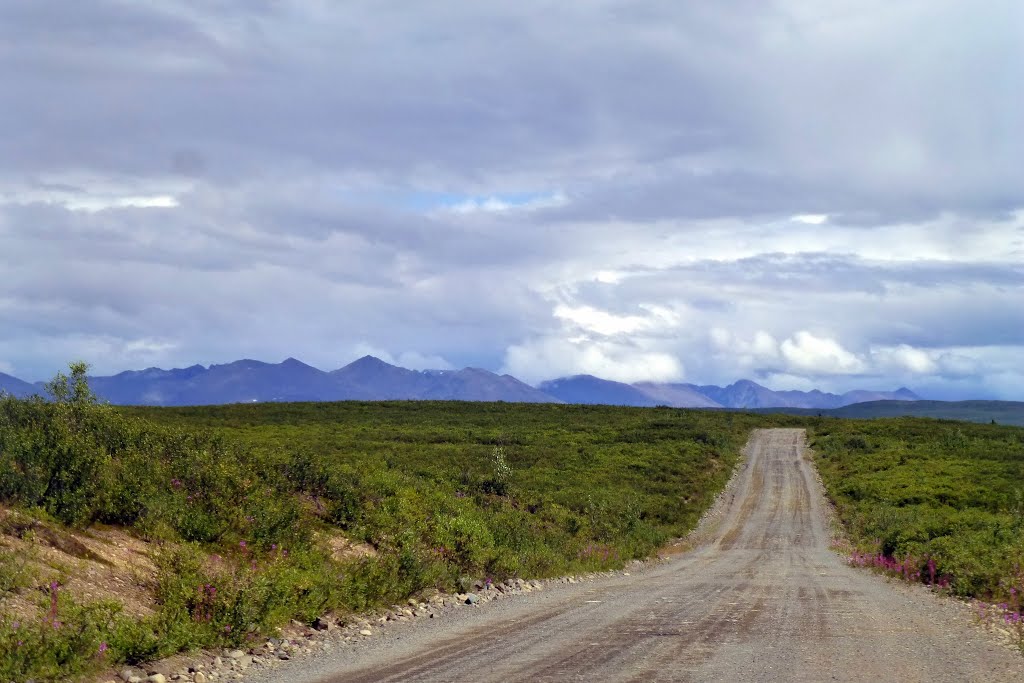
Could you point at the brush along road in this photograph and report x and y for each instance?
(761, 599)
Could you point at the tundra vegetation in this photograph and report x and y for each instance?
(939, 502)
(243, 507)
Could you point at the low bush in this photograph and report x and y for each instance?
(934, 498)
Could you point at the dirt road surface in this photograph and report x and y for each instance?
(761, 599)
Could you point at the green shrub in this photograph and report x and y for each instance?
(938, 491)
(13, 574)
(53, 649)
(466, 540)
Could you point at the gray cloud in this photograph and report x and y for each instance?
(529, 186)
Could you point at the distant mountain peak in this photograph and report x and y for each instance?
(242, 363)
(476, 371)
(746, 383)
(370, 361)
(587, 389)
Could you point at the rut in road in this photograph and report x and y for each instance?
(761, 599)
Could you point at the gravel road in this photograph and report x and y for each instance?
(762, 598)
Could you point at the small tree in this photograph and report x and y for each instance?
(50, 455)
(74, 389)
(501, 474)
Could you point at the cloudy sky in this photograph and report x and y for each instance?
(803, 192)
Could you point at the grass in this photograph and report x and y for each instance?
(240, 499)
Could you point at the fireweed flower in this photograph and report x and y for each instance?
(52, 615)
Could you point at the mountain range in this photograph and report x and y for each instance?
(371, 379)
(741, 394)
(17, 387)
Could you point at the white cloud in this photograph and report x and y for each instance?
(764, 345)
(625, 348)
(93, 204)
(805, 352)
(541, 359)
(106, 353)
(147, 348)
(903, 358)
(609, 277)
(96, 192)
(969, 371)
(160, 201)
(501, 204)
(782, 381)
(721, 338)
(762, 348)
(810, 218)
(590, 319)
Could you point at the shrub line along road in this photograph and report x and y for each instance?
(761, 599)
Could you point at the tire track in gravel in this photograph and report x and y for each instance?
(762, 599)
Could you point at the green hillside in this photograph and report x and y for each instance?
(1002, 412)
